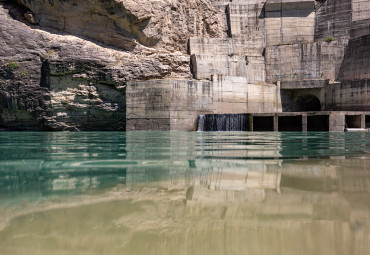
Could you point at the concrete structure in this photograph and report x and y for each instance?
(302, 121)
(286, 62)
(176, 104)
(309, 61)
(289, 21)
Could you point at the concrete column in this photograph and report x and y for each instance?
(251, 128)
(276, 122)
(279, 106)
(363, 121)
(337, 122)
(304, 123)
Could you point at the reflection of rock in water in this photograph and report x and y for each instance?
(24, 180)
(156, 220)
(235, 212)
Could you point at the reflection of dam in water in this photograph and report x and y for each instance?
(216, 211)
(251, 160)
(185, 193)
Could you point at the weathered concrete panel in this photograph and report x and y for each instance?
(336, 122)
(235, 95)
(176, 104)
(289, 21)
(204, 66)
(360, 10)
(166, 104)
(356, 62)
(297, 62)
(252, 67)
(225, 46)
(304, 84)
(247, 20)
(278, 5)
(348, 96)
(333, 19)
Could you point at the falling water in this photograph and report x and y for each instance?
(223, 122)
(201, 122)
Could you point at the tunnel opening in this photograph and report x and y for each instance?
(318, 123)
(290, 123)
(353, 121)
(263, 123)
(308, 103)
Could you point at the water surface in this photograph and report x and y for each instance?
(184, 193)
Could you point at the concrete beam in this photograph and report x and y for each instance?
(304, 84)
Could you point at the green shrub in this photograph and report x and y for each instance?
(329, 39)
(12, 65)
(24, 73)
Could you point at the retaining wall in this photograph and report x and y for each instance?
(176, 104)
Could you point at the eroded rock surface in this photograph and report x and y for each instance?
(67, 69)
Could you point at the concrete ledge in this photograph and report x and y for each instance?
(304, 84)
(278, 5)
(225, 46)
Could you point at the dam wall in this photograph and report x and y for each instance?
(289, 21)
(348, 96)
(161, 105)
(308, 61)
(356, 60)
(280, 56)
(333, 20)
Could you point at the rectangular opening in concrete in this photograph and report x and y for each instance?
(263, 123)
(367, 121)
(290, 123)
(318, 123)
(353, 121)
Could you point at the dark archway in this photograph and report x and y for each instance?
(308, 103)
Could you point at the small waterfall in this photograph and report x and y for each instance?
(201, 122)
(223, 122)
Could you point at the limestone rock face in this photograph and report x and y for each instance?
(64, 64)
(125, 23)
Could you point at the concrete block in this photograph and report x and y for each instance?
(336, 122)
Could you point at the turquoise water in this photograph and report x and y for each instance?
(184, 193)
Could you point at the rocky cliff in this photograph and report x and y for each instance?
(64, 64)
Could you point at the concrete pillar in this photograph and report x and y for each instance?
(251, 122)
(363, 121)
(278, 106)
(276, 122)
(304, 123)
(337, 122)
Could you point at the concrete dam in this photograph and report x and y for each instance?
(285, 65)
